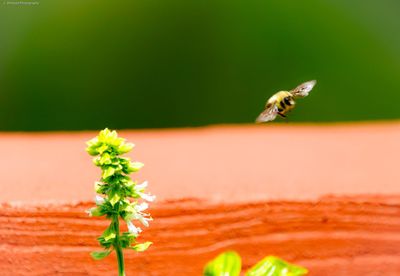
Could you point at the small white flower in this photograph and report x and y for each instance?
(140, 187)
(132, 228)
(144, 221)
(143, 218)
(141, 207)
(147, 197)
(99, 200)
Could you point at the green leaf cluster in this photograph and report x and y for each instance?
(108, 142)
(229, 264)
(115, 187)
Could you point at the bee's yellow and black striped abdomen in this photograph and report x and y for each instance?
(284, 102)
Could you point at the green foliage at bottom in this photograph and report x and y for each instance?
(229, 264)
(273, 266)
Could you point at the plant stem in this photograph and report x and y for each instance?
(118, 249)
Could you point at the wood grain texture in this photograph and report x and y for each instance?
(331, 236)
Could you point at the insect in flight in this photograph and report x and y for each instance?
(283, 101)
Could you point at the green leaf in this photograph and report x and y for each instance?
(134, 167)
(126, 239)
(98, 255)
(115, 199)
(93, 144)
(129, 188)
(273, 266)
(140, 247)
(109, 236)
(103, 134)
(96, 161)
(226, 264)
(105, 159)
(112, 138)
(108, 172)
(96, 211)
(98, 187)
(124, 148)
(105, 243)
(92, 151)
(102, 149)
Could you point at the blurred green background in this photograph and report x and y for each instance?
(70, 65)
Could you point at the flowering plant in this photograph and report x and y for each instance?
(118, 196)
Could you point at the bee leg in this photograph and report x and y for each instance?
(284, 117)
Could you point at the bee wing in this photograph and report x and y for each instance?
(269, 114)
(303, 89)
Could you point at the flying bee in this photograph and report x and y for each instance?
(283, 101)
